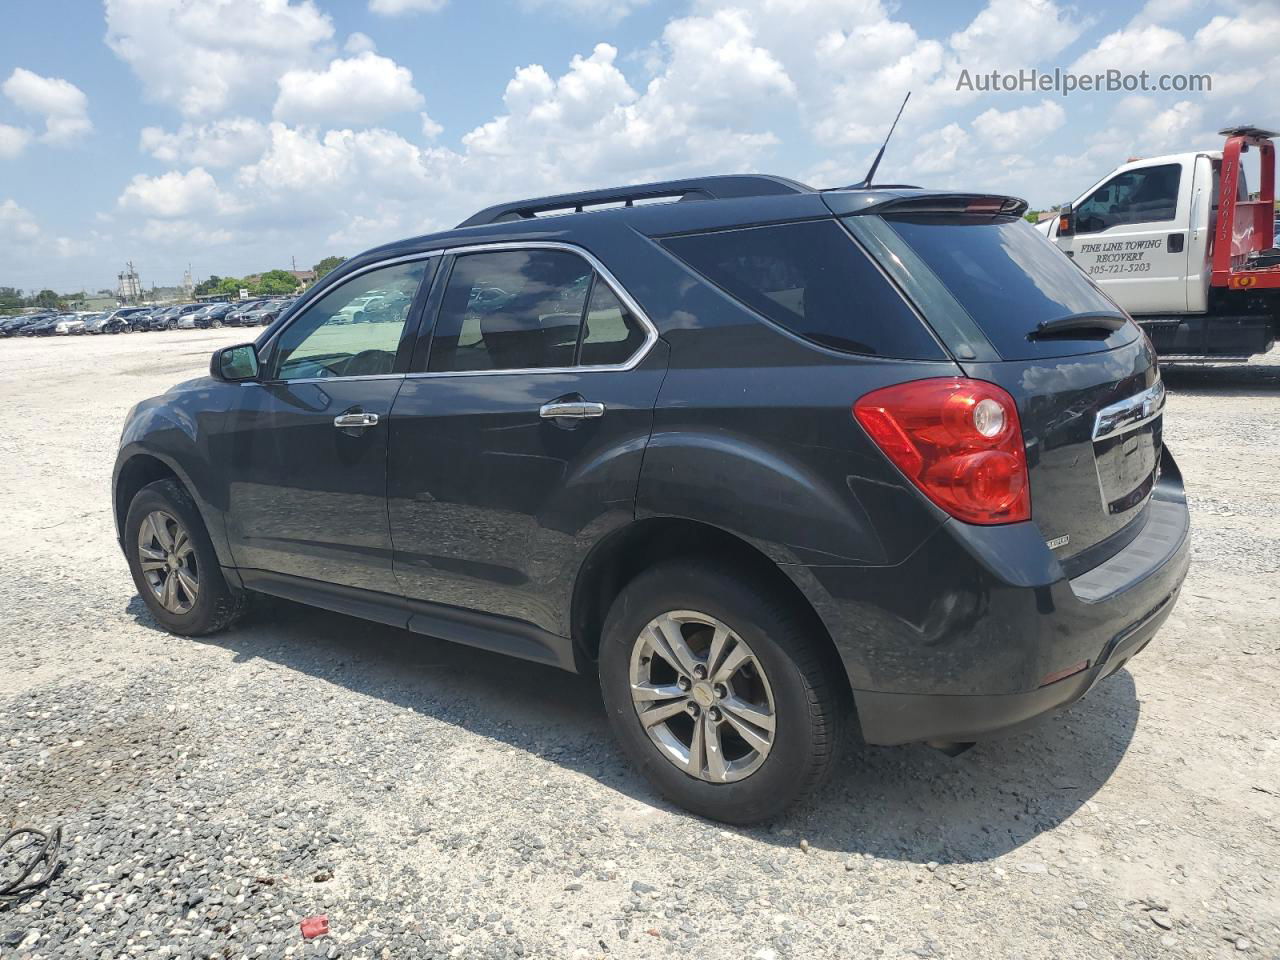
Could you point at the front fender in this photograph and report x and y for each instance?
(175, 430)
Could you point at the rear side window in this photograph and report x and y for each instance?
(812, 279)
(1007, 277)
(511, 310)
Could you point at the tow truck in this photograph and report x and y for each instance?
(1179, 243)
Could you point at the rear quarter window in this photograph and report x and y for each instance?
(812, 279)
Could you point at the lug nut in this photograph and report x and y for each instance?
(692, 708)
(683, 683)
(700, 672)
(721, 691)
(714, 714)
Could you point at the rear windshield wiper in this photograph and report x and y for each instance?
(1078, 326)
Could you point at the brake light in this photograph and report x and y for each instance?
(958, 441)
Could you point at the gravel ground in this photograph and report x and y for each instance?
(437, 801)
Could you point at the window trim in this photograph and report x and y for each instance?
(602, 272)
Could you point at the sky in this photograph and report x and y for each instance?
(235, 136)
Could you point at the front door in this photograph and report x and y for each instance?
(518, 443)
(307, 443)
(1131, 238)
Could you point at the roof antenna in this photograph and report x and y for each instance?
(875, 164)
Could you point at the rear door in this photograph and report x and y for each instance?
(1131, 236)
(1083, 376)
(516, 441)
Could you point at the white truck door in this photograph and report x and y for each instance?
(1130, 236)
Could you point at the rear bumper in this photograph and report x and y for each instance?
(894, 718)
(956, 643)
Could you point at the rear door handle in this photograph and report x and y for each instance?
(347, 421)
(571, 409)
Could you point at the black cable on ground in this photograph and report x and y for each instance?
(38, 868)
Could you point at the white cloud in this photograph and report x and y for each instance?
(174, 194)
(13, 140)
(596, 11)
(1150, 47)
(223, 143)
(359, 43)
(360, 90)
(204, 58)
(184, 234)
(430, 129)
(62, 104)
(1022, 127)
(985, 43)
(395, 8)
(16, 223)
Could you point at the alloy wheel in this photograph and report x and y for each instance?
(167, 556)
(702, 696)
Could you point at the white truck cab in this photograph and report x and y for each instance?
(1151, 235)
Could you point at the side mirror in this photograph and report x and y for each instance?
(1066, 222)
(234, 364)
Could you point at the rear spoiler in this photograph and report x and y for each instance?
(927, 204)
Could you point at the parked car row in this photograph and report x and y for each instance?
(186, 316)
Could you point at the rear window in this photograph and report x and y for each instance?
(1008, 277)
(812, 279)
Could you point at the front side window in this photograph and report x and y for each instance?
(515, 310)
(1149, 195)
(353, 330)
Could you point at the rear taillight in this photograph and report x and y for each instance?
(956, 439)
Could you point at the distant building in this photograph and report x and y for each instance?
(303, 277)
(128, 286)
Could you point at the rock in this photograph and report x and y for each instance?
(638, 886)
(1161, 920)
(1079, 905)
(1168, 941)
(1242, 944)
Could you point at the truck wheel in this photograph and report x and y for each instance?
(173, 563)
(719, 691)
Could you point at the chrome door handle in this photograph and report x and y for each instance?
(571, 409)
(348, 420)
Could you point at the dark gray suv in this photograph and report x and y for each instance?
(764, 457)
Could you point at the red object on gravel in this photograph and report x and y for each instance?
(316, 926)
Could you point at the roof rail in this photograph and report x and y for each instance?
(699, 188)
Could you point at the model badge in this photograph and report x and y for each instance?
(1057, 542)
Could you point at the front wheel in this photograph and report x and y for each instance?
(173, 562)
(719, 691)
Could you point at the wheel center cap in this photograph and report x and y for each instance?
(172, 562)
(703, 693)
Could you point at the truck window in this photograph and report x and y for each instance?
(1148, 195)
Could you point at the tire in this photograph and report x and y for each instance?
(787, 671)
(215, 324)
(215, 604)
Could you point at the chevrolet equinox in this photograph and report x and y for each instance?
(762, 457)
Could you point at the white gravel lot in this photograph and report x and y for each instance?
(438, 801)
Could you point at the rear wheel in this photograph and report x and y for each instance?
(173, 563)
(719, 692)
(215, 324)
